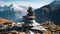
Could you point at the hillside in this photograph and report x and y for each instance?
(48, 12)
(2, 21)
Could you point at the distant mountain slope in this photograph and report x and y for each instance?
(12, 12)
(48, 12)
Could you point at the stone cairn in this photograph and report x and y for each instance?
(28, 19)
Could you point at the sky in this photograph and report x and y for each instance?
(33, 3)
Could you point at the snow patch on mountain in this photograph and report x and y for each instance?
(18, 11)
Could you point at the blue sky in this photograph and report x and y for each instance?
(33, 3)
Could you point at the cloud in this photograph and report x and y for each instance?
(20, 0)
(18, 15)
(1, 2)
(34, 3)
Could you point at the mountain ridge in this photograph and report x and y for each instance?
(48, 12)
(12, 12)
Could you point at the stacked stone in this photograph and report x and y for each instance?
(28, 19)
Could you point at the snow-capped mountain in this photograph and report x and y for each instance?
(17, 8)
(12, 12)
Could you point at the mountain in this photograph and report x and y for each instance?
(20, 11)
(49, 12)
(12, 12)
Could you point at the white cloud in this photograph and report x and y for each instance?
(36, 4)
(1, 3)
